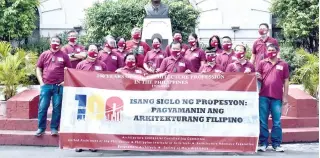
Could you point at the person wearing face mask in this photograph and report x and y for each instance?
(215, 45)
(259, 49)
(273, 73)
(154, 58)
(210, 65)
(177, 37)
(194, 54)
(109, 56)
(176, 63)
(241, 64)
(75, 51)
(121, 50)
(50, 74)
(91, 63)
(137, 47)
(131, 67)
(227, 55)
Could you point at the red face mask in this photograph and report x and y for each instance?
(271, 54)
(226, 46)
(121, 44)
(240, 55)
(211, 58)
(214, 43)
(175, 53)
(155, 45)
(177, 39)
(93, 54)
(136, 36)
(72, 39)
(131, 64)
(55, 46)
(262, 32)
(192, 43)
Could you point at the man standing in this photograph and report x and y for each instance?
(227, 56)
(259, 50)
(109, 56)
(176, 63)
(75, 51)
(156, 8)
(177, 37)
(91, 63)
(50, 74)
(273, 74)
(241, 64)
(137, 47)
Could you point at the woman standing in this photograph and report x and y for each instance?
(215, 45)
(195, 55)
(154, 58)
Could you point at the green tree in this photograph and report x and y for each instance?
(17, 18)
(117, 18)
(299, 20)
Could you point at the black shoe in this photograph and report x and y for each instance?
(93, 150)
(39, 132)
(79, 150)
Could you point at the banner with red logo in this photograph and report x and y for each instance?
(162, 112)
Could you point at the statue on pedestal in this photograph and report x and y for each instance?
(156, 9)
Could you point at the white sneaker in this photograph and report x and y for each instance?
(278, 149)
(262, 148)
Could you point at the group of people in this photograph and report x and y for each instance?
(136, 56)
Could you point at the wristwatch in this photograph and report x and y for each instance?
(72, 55)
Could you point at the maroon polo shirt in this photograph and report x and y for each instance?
(210, 68)
(168, 52)
(238, 67)
(135, 70)
(69, 49)
(272, 84)
(112, 60)
(195, 57)
(176, 65)
(132, 45)
(154, 59)
(121, 55)
(225, 59)
(260, 48)
(219, 51)
(52, 65)
(92, 66)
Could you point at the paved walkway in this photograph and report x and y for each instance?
(310, 150)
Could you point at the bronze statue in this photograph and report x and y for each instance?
(156, 8)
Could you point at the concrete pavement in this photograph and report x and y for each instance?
(309, 150)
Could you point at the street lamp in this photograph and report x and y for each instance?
(235, 28)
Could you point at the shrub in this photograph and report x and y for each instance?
(308, 74)
(16, 65)
(117, 18)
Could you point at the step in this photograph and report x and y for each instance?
(10, 137)
(20, 124)
(297, 122)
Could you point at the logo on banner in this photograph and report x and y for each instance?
(114, 106)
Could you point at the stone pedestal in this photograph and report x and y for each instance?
(23, 105)
(300, 104)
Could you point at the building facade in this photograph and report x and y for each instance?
(238, 19)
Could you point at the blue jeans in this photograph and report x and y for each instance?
(266, 106)
(46, 93)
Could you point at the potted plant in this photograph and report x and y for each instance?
(15, 66)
